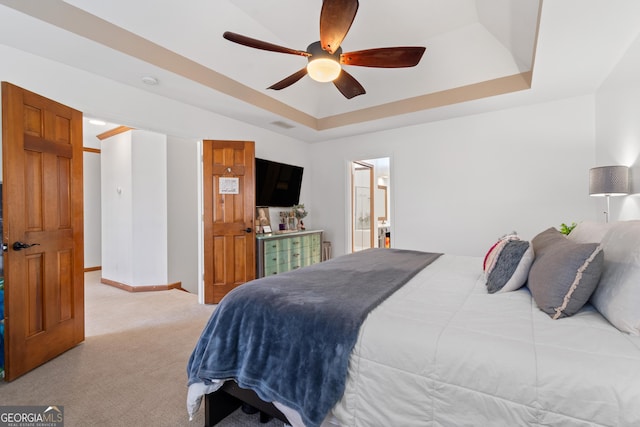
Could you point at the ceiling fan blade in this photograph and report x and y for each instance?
(385, 57)
(336, 18)
(288, 81)
(348, 86)
(259, 44)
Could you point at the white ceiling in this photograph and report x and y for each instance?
(481, 54)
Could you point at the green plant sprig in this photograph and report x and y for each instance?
(566, 229)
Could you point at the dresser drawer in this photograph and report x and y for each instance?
(281, 253)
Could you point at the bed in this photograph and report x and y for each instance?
(555, 343)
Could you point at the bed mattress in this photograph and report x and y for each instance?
(442, 351)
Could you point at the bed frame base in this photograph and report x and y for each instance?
(228, 398)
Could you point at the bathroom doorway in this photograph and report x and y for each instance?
(370, 201)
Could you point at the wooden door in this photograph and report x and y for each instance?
(42, 200)
(229, 234)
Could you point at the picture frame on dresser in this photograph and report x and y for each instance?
(263, 220)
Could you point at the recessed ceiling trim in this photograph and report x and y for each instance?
(499, 86)
(535, 37)
(113, 132)
(82, 23)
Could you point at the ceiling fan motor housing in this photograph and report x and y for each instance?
(323, 66)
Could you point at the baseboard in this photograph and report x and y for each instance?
(146, 288)
(87, 269)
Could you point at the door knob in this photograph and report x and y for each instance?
(18, 246)
(248, 229)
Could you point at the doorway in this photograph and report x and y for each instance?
(370, 200)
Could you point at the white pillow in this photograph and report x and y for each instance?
(589, 232)
(617, 296)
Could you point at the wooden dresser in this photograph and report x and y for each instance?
(278, 253)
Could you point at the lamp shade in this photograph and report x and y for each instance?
(609, 181)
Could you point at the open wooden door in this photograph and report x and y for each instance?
(229, 210)
(362, 206)
(43, 229)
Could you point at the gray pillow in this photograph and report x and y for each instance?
(564, 274)
(509, 268)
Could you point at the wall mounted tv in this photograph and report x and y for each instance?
(277, 184)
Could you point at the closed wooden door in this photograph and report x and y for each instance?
(229, 211)
(43, 228)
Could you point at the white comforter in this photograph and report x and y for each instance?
(443, 352)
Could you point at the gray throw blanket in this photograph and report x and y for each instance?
(288, 337)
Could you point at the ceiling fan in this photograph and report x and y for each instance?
(325, 56)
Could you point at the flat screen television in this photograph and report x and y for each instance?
(277, 184)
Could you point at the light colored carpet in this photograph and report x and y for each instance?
(131, 369)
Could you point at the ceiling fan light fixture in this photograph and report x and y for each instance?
(336, 18)
(323, 66)
(323, 69)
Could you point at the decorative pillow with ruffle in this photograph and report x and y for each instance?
(506, 265)
(564, 274)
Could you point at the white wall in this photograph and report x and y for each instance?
(182, 212)
(92, 210)
(618, 130)
(117, 208)
(149, 187)
(134, 201)
(459, 184)
(92, 203)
